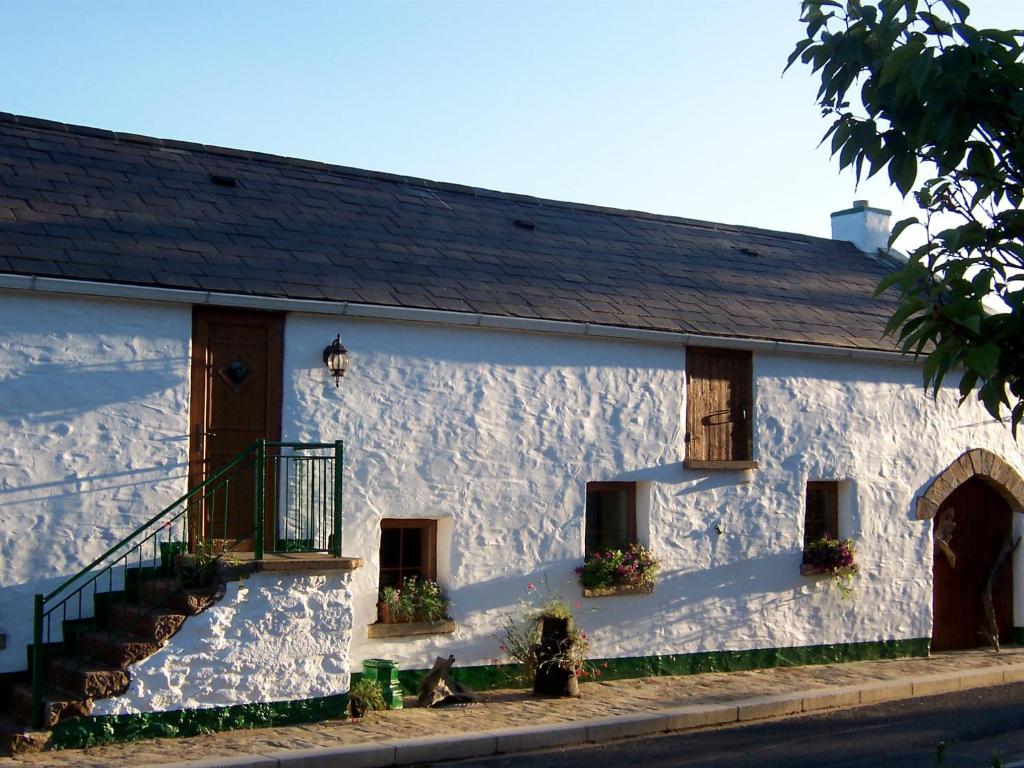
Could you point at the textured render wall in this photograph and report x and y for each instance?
(93, 437)
(272, 637)
(498, 433)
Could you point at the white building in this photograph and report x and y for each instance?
(165, 304)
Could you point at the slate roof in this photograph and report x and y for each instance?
(87, 204)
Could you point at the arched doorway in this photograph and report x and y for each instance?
(975, 523)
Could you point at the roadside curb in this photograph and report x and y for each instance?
(599, 730)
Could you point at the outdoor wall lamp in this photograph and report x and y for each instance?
(336, 359)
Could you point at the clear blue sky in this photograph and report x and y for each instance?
(674, 107)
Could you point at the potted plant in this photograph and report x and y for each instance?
(199, 568)
(365, 696)
(549, 645)
(617, 571)
(415, 600)
(834, 557)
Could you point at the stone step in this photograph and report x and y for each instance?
(117, 649)
(158, 591)
(151, 624)
(86, 678)
(58, 705)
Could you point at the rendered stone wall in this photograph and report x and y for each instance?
(273, 637)
(497, 434)
(93, 437)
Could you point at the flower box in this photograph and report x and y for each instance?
(618, 572)
(619, 589)
(807, 569)
(408, 628)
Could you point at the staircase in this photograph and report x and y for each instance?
(127, 603)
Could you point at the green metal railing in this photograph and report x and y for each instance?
(271, 497)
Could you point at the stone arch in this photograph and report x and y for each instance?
(977, 462)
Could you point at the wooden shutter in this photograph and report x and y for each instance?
(719, 408)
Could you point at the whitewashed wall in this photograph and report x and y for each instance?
(497, 434)
(93, 437)
(273, 637)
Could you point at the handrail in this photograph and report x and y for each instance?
(301, 492)
(165, 511)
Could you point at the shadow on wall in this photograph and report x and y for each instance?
(62, 391)
(96, 483)
(16, 608)
(725, 606)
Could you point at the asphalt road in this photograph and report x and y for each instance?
(972, 724)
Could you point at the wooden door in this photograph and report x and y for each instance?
(236, 400)
(719, 404)
(983, 525)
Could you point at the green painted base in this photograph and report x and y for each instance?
(90, 731)
(508, 675)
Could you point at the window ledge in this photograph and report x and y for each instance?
(806, 569)
(409, 628)
(719, 464)
(618, 589)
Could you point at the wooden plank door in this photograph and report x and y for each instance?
(983, 524)
(236, 400)
(719, 404)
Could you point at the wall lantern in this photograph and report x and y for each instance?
(336, 359)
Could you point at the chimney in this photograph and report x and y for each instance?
(866, 227)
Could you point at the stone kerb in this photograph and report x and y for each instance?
(977, 462)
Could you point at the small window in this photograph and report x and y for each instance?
(611, 516)
(407, 548)
(821, 510)
(719, 408)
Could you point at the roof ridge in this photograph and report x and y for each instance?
(296, 162)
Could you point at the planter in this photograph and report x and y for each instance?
(806, 569)
(407, 628)
(169, 552)
(618, 589)
(356, 708)
(384, 672)
(551, 679)
(555, 681)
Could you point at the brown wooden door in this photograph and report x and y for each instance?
(236, 400)
(983, 524)
(719, 404)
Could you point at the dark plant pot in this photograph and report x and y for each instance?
(356, 708)
(384, 612)
(555, 681)
(554, 629)
(169, 551)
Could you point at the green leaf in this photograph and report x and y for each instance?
(900, 226)
(903, 172)
(959, 8)
(984, 359)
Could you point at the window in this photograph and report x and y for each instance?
(407, 548)
(821, 510)
(611, 516)
(719, 409)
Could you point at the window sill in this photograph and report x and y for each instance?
(410, 628)
(619, 589)
(813, 570)
(719, 464)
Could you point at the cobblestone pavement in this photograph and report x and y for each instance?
(512, 708)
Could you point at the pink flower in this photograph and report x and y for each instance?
(576, 604)
(530, 587)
